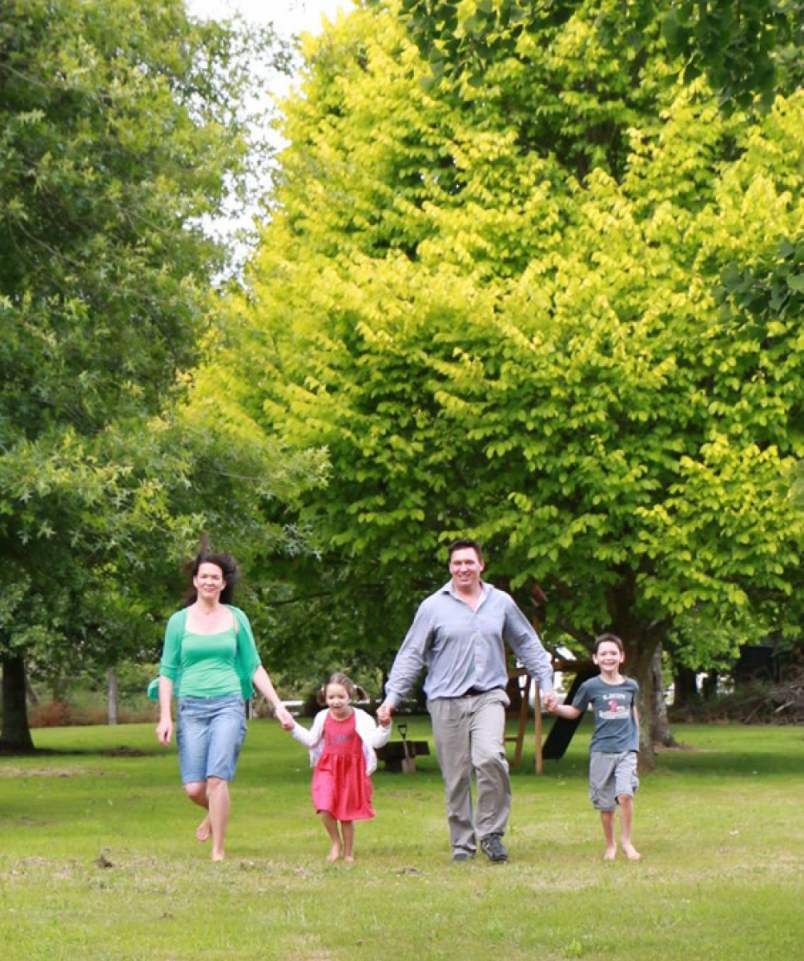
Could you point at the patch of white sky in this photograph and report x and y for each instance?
(289, 18)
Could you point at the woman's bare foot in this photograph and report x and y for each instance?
(631, 852)
(204, 830)
(334, 852)
(611, 853)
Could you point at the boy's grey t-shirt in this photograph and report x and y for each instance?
(613, 707)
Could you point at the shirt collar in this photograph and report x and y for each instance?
(449, 589)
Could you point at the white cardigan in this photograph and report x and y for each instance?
(371, 735)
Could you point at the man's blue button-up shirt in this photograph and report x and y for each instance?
(463, 649)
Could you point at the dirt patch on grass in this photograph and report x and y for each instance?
(678, 746)
(308, 950)
(15, 771)
(34, 867)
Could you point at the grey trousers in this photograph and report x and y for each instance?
(469, 735)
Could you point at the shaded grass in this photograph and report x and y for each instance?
(721, 828)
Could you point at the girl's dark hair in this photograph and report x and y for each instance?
(611, 639)
(227, 565)
(352, 689)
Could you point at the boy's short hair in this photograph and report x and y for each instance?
(608, 638)
(466, 543)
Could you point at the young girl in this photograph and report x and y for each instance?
(342, 742)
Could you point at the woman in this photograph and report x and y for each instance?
(210, 657)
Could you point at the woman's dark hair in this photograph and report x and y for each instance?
(227, 565)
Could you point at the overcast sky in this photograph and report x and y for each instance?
(288, 16)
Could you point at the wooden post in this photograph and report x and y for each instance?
(537, 707)
(523, 722)
(519, 673)
(113, 696)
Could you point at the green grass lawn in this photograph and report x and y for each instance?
(721, 829)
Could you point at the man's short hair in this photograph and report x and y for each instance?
(464, 543)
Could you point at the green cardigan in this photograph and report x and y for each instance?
(248, 660)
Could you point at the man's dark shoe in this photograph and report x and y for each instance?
(460, 857)
(494, 849)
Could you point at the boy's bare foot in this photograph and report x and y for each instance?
(204, 830)
(334, 853)
(631, 852)
(611, 853)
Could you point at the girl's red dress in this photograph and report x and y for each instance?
(340, 783)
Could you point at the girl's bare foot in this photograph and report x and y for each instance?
(204, 830)
(334, 852)
(349, 858)
(611, 853)
(218, 856)
(631, 852)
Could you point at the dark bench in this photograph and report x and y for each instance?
(393, 753)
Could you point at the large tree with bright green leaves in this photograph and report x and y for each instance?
(749, 50)
(583, 349)
(122, 125)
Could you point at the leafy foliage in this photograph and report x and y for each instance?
(120, 128)
(747, 49)
(595, 368)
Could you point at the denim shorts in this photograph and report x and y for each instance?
(210, 732)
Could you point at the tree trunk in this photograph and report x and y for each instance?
(16, 734)
(31, 694)
(685, 687)
(709, 687)
(647, 755)
(113, 695)
(640, 642)
(639, 665)
(661, 726)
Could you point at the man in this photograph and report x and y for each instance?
(458, 632)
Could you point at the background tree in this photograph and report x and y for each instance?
(749, 50)
(588, 357)
(120, 128)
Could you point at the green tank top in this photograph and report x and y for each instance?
(208, 665)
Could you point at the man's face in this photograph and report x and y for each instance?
(465, 567)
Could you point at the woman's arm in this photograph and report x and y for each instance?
(262, 682)
(164, 730)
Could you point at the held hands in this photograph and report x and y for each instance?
(384, 712)
(284, 717)
(551, 701)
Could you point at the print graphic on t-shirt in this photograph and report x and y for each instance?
(615, 707)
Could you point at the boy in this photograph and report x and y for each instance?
(615, 741)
